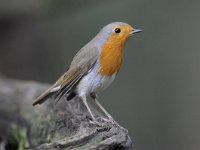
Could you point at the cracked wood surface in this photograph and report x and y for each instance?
(51, 126)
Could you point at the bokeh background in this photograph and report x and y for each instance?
(156, 96)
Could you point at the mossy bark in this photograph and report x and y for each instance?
(52, 126)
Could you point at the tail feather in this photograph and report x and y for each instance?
(67, 82)
(44, 96)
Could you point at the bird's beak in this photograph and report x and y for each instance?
(136, 31)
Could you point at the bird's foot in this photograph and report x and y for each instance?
(95, 122)
(102, 121)
(109, 120)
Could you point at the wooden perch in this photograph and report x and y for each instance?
(51, 126)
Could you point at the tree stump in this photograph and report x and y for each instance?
(52, 126)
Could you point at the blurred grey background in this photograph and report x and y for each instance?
(156, 95)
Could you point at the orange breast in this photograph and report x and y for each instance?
(111, 57)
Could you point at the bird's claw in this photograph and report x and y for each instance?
(95, 122)
(111, 120)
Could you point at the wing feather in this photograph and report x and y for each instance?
(81, 65)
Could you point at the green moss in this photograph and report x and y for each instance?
(20, 134)
(49, 137)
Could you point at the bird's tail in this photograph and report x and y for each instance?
(44, 96)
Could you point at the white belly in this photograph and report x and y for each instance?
(93, 82)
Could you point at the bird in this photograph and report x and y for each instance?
(93, 68)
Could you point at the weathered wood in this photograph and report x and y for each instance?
(51, 126)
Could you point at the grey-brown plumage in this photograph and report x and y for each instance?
(94, 67)
(83, 61)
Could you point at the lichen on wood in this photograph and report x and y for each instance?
(50, 126)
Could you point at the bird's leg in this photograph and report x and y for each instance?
(94, 96)
(88, 108)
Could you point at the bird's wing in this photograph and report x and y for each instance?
(85, 56)
(81, 65)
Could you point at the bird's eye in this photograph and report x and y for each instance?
(117, 30)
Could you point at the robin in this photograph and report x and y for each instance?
(94, 67)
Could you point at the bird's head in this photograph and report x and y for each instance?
(117, 32)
